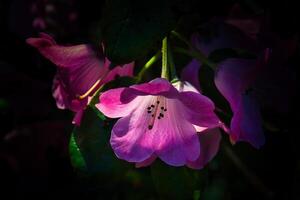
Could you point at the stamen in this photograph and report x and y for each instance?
(156, 111)
(89, 91)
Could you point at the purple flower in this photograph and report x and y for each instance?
(157, 120)
(79, 74)
(234, 79)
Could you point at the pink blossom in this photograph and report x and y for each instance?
(157, 120)
(79, 72)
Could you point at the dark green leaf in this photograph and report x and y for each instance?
(174, 182)
(131, 27)
(89, 146)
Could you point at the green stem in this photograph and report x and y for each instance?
(164, 52)
(172, 64)
(195, 53)
(148, 65)
(253, 179)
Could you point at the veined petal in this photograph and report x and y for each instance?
(124, 70)
(246, 124)
(131, 139)
(199, 109)
(158, 86)
(79, 66)
(119, 102)
(59, 94)
(209, 144)
(176, 140)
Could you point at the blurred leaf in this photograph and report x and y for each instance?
(174, 182)
(77, 159)
(130, 27)
(3, 104)
(89, 147)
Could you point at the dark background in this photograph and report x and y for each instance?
(34, 134)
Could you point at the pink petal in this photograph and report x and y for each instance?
(131, 139)
(200, 109)
(190, 73)
(246, 124)
(77, 118)
(176, 140)
(185, 87)
(158, 86)
(59, 94)
(146, 162)
(125, 70)
(210, 142)
(118, 102)
(79, 68)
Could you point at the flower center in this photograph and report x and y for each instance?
(157, 110)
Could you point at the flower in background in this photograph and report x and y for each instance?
(157, 120)
(234, 79)
(79, 74)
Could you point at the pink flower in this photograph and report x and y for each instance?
(79, 74)
(209, 139)
(157, 120)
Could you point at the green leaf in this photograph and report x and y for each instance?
(89, 145)
(77, 159)
(131, 28)
(174, 182)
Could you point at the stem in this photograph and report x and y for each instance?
(196, 53)
(148, 65)
(164, 52)
(172, 65)
(253, 179)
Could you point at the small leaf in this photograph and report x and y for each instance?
(77, 159)
(89, 146)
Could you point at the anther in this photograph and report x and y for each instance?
(152, 106)
(150, 127)
(149, 111)
(165, 109)
(157, 102)
(152, 115)
(149, 108)
(162, 107)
